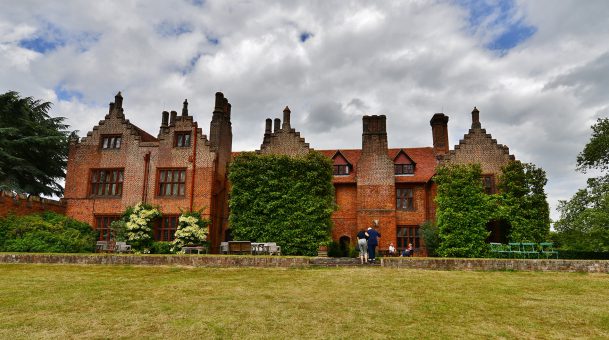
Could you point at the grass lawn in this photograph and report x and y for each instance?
(70, 301)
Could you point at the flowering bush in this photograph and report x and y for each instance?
(191, 230)
(139, 224)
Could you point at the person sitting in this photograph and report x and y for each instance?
(392, 249)
(408, 251)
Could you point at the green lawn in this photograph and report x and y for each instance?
(69, 301)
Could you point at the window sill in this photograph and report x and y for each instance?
(105, 196)
(406, 175)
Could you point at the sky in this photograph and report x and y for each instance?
(538, 71)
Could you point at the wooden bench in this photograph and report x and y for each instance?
(240, 247)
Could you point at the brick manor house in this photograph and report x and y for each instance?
(118, 164)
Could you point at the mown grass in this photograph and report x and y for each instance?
(69, 301)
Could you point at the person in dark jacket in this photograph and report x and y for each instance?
(373, 241)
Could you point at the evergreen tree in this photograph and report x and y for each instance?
(463, 210)
(33, 146)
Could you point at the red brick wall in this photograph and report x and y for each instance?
(21, 205)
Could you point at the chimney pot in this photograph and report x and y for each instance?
(277, 125)
(476, 119)
(118, 100)
(172, 120)
(269, 125)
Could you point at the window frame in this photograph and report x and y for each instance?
(161, 188)
(490, 189)
(337, 167)
(95, 184)
(114, 141)
(408, 234)
(404, 198)
(166, 228)
(178, 137)
(105, 233)
(403, 168)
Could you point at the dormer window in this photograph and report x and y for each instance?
(111, 141)
(341, 170)
(341, 165)
(403, 164)
(404, 169)
(182, 139)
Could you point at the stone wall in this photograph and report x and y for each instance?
(584, 266)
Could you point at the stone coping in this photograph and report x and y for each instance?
(219, 261)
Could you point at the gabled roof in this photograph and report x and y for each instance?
(338, 153)
(402, 152)
(423, 157)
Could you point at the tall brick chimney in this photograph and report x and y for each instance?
(118, 100)
(185, 108)
(172, 119)
(374, 136)
(439, 132)
(164, 119)
(277, 125)
(286, 119)
(220, 129)
(476, 119)
(267, 131)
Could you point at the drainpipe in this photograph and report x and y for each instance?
(194, 165)
(146, 173)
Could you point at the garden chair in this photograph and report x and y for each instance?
(122, 247)
(515, 249)
(101, 246)
(529, 250)
(223, 247)
(547, 249)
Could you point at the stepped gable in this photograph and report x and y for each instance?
(477, 146)
(283, 140)
(115, 118)
(171, 122)
(424, 157)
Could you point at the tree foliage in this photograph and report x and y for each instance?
(522, 202)
(282, 199)
(463, 210)
(33, 146)
(596, 153)
(584, 219)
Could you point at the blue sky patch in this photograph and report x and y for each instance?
(40, 44)
(67, 95)
(213, 40)
(499, 17)
(169, 29)
(304, 36)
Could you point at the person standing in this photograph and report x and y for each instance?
(373, 241)
(362, 244)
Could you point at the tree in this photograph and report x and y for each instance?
(596, 153)
(463, 210)
(523, 202)
(281, 199)
(584, 219)
(33, 146)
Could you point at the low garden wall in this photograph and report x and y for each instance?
(429, 263)
(585, 266)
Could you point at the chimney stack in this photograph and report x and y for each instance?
(219, 106)
(277, 125)
(439, 132)
(374, 136)
(112, 106)
(185, 108)
(172, 121)
(476, 119)
(164, 119)
(286, 119)
(118, 100)
(267, 131)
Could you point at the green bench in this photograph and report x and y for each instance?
(523, 250)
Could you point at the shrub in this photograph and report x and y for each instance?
(139, 220)
(431, 237)
(46, 232)
(161, 247)
(192, 230)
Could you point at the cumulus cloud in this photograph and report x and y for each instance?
(535, 69)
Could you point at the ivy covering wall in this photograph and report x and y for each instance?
(281, 199)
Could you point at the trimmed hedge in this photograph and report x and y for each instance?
(582, 255)
(47, 232)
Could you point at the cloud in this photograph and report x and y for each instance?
(535, 69)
